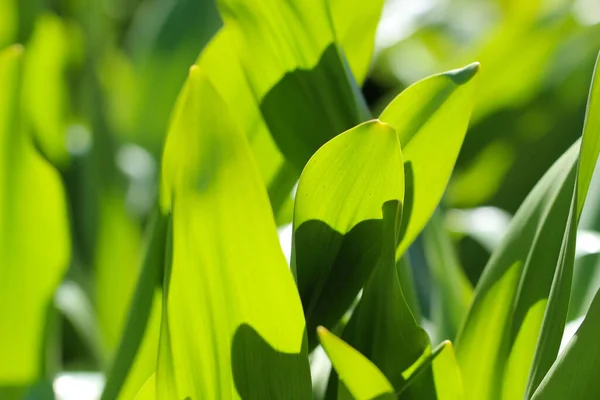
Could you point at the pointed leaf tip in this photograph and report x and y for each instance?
(463, 75)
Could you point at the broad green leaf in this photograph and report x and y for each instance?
(45, 86)
(512, 293)
(430, 118)
(34, 234)
(337, 232)
(135, 357)
(358, 375)
(382, 326)
(227, 285)
(452, 293)
(575, 373)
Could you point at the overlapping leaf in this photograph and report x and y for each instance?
(279, 66)
(522, 298)
(430, 118)
(228, 290)
(382, 327)
(337, 218)
(34, 234)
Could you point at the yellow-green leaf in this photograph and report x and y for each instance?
(431, 118)
(359, 376)
(34, 234)
(228, 289)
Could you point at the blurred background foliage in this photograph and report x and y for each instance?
(101, 77)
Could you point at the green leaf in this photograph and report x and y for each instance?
(382, 326)
(227, 286)
(575, 374)
(45, 89)
(337, 218)
(512, 293)
(116, 266)
(452, 293)
(525, 287)
(140, 334)
(447, 375)
(147, 391)
(355, 23)
(9, 24)
(279, 66)
(359, 376)
(34, 234)
(430, 118)
(590, 144)
(558, 302)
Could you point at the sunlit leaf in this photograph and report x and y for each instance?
(34, 234)
(227, 288)
(355, 23)
(359, 377)
(575, 373)
(431, 119)
(590, 145)
(286, 78)
(337, 218)
(147, 391)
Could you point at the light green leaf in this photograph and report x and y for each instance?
(355, 23)
(135, 357)
(34, 234)
(590, 144)
(227, 285)
(45, 88)
(147, 391)
(116, 266)
(447, 375)
(431, 119)
(360, 377)
(337, 232)
(575, 374)
(9, 22)
(286, 78)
